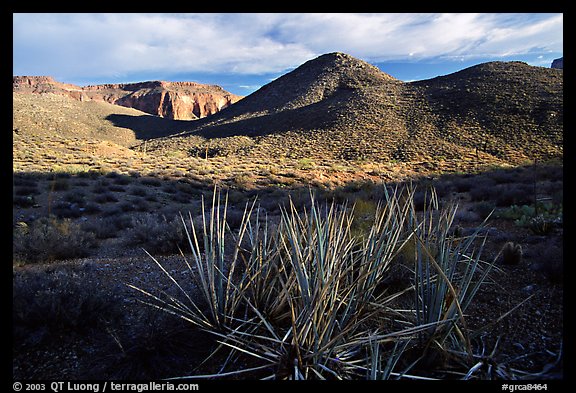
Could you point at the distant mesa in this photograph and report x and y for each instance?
(173, 100)
(558, 63)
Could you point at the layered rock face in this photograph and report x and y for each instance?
(173, 100)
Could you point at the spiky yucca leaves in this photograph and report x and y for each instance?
(219, 298)
(327, 288)
(448, 272)
(305, 299)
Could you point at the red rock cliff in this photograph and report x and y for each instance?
(174, 100)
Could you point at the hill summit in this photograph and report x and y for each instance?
(338, 107)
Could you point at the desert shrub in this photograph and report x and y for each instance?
(126, 206)
(62, 175)
(541, 218)
(517, 194)
(156, 234)
(138, 191)
(59, 184)
(25, 180)
(64, 209)
(482, 189)
(305, 164)
(92, 208)
(100, 187)
(467, 216)
(187, 188)
(503, 176)
(539, 225)
(463, 184)
(89, 174)
(105, 198)
(24, 201)
(76, 196)
(26, 190)
(116, 188)
(180, 197)
(483, 208)
(548, 258)
(140, 204)
(420, 199)
(151, 198)
(169, 188)
(49, 238)
(108, 227)
(207, 152)
(515, 212)
(46, 305)
(150, 181)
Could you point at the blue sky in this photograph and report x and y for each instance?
(242, 52)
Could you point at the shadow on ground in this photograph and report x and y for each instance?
(148, 127)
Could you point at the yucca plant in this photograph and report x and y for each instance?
(219, 300)
(448, 272)
(327, 287)
(304, 298)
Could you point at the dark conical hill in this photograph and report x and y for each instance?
(332, 106)
(339, 107)
(311, 96)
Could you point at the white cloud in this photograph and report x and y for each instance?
(100, 45)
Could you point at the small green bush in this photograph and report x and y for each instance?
(305, 164)
(541, 219)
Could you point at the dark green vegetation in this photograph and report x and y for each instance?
(363, 228)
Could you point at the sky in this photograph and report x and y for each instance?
(243, 51)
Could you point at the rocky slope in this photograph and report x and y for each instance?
(340, 107)
(172, 100)
(509, 110)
